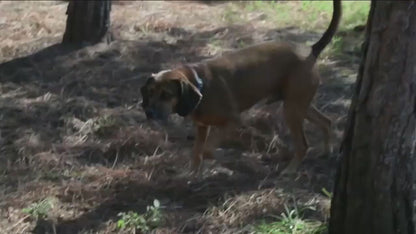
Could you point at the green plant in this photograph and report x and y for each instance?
(104, 124)
(241, 44)
(354, 13)
(336, 46)
(327, 193)
(231, 15)
(291, 222)
(275, 11)
(132, 220)
(143, 222)
(39, 209)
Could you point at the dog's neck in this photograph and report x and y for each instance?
(194, 76)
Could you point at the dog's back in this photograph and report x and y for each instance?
(255, 72)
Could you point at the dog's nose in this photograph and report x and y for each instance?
(150, 114)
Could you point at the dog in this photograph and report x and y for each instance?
(215, 91)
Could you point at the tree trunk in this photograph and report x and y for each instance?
(375, 184)
(87, 22)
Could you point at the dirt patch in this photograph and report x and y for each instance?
(72, 130)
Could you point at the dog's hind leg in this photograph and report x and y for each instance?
(324, 123)
(294, 117)
(298, 94)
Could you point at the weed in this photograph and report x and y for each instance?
(215, 46)
(145, 29)
(52, 175)
(57, 175)
(132, 220)
(241, 44)
(327, 193)
(291, 221)
(104, 125)
(336, 46)
(143, 222)
(231, 15)
(39, 209)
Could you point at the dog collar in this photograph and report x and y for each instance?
(199, 81)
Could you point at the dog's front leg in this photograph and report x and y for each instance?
(197, 152)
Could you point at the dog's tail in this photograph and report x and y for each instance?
(320, 45)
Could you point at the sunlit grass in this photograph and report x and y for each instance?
(313, 16)
(309, 15)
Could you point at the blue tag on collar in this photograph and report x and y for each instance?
(199, 82)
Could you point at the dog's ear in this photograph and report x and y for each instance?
(189, 98)
(149, 80)
(143, 90)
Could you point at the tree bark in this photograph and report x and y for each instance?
(375, 184)
(87, 22)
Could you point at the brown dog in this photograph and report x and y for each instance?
(214, 92)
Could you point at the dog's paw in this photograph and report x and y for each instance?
(195, 171)
(326, 152)
(329, 150)
(288, 172)
(291, 169)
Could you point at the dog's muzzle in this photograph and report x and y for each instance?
(150, 114)
(154, 115)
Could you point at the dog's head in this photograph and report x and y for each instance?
(169, 92)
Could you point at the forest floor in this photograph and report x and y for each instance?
(78, 156)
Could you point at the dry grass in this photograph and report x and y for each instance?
(73, 136)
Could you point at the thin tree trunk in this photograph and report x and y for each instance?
(375, 184)
(87, 22)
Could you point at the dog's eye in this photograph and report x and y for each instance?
(165, 95)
